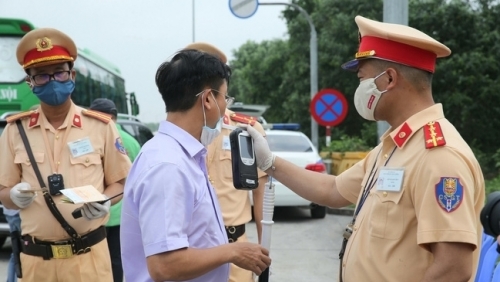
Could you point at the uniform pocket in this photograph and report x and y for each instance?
(87, 164)
(22, 158)
(386, 216)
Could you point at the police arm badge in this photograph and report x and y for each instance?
(119, 146)
(449, 193)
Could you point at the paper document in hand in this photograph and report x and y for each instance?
(82, 194)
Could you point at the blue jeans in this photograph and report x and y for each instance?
(14, 225)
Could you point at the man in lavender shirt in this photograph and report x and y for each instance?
(171, 224)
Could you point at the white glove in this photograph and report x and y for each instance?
(95, 210)
(263, 155)
(22, 199)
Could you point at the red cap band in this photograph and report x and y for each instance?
(56, 53)
(399, 53)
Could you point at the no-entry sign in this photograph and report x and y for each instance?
(328, 107)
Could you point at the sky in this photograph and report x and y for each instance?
(137, 36)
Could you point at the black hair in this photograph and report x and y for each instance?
(187, 74)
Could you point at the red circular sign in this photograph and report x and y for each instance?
(328, 107)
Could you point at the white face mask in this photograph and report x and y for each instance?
(366, 97)
(209, 134)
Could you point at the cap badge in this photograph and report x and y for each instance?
(43, 44)
(365, 54)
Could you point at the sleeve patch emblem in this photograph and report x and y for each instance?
(449, 193)
(119, 146)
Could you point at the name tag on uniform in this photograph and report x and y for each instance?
(226, 144)
(390, 179)
(80, 147)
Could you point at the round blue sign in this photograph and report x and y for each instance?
(328, 107)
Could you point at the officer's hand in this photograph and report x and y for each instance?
(251, 257)
(22, 199)
(95, 210)
(263, 154)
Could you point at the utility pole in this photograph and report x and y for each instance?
(193, 25)
(395, 11)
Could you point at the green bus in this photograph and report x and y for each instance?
(95, 77)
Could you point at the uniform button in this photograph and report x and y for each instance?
(57, 137)
(27, 160)
(87, 160)
(355, 228)
(343, 264)
(386, 156)
(58, 163)
(402, 135)
(385, 194)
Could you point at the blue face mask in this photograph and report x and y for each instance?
(54, 93)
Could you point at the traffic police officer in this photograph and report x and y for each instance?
(72, 147)
(420, 191)
(235, 204)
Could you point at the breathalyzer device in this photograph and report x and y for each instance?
(243, 160)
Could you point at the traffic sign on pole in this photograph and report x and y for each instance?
(243, 8)
(328, 107)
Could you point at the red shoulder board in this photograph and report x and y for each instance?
(433, 135)
(15, 117)
(243, 118)
(97, 115)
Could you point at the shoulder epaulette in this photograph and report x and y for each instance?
(15, 117)
(243, 118)
(433, 135)
(97, 115)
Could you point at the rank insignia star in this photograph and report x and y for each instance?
(433, 135)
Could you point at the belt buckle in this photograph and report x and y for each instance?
(61, 251)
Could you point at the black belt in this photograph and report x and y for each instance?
(235, 232)
(62, 249)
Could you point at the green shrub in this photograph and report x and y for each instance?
(347, 144)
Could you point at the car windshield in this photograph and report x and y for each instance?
(288, 143)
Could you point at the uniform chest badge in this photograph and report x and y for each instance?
(119, 146)
(449, 193)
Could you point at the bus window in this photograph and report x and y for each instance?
(10, 71)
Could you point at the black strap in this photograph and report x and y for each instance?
(48, 199)
(235, 232)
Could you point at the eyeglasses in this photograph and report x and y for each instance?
(229, 99)
(41, 79)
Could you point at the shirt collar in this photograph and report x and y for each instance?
(75, 118)
(186, 140)
(405, 131)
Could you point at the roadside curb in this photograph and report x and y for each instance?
(341, 211)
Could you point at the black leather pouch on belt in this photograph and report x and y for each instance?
(235, 232)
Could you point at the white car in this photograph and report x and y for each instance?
(297, 148)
